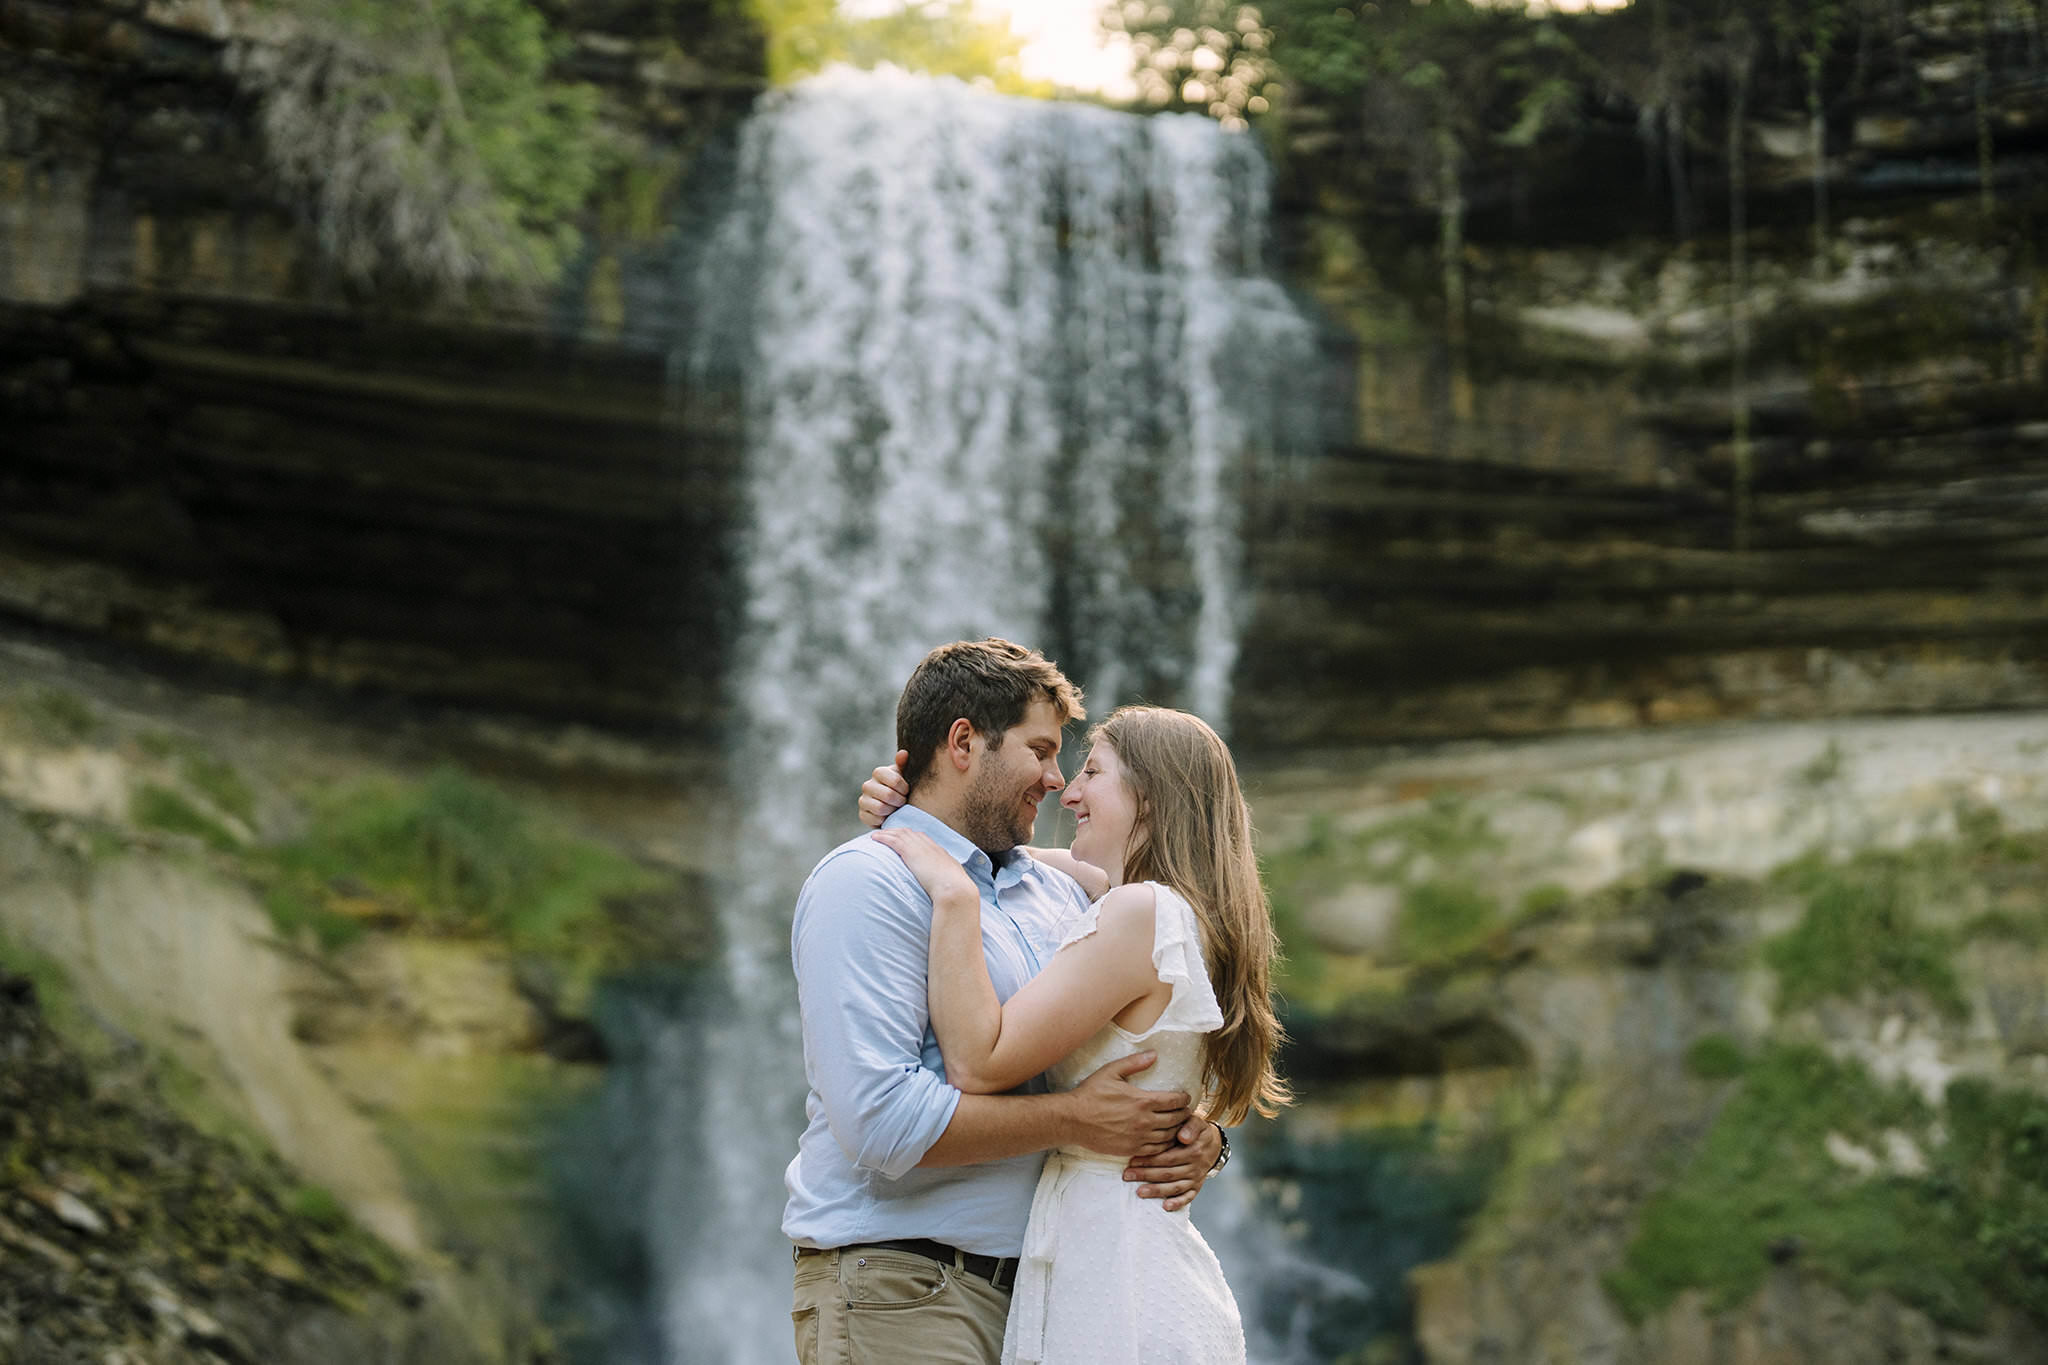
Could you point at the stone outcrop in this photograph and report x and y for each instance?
(414, 1077)
(1553, 928)
(131, 1236)
(218, 455)
(221, 454)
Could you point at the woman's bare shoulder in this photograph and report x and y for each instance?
(1128, 909)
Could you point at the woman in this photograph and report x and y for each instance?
(1175, 958)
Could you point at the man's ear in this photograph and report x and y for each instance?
(959, 747)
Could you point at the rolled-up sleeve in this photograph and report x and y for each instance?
(860, 944)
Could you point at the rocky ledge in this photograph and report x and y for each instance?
(132, 1237)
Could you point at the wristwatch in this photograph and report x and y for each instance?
(1222, 1157)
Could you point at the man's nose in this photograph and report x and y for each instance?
(1054, 778)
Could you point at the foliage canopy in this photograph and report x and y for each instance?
(428, 140)
(939, 37)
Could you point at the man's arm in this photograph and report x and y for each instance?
(1104, 1113)
(858, 945)
(864, 1039)
(1178, 1174)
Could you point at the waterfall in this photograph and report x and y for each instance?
(1004, 367)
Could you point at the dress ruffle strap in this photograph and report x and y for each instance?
(1177, 957)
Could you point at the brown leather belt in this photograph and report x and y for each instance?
(1000, 1271)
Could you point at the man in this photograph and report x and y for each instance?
(907, 1198)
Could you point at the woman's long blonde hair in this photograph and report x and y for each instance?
(1194, 833)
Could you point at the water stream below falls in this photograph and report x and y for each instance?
(1005, 367)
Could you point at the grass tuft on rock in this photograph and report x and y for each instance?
(1716, 1057)
(62, 716)
(160, 808)
(450, 855)
(318, 1206)
(1441, 919)
(1860, 934)
(1763, 1187)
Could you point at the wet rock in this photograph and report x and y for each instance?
(68, 1209)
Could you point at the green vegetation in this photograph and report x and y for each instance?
(1716, 1057)
(2029, 930)
(219, 781)
(1865, 926)
(1859, 934)
(1441, 919)
(160, 808)
(942, 37)
(1825, 767)
(1764, 1184)
(450, 855)
(61, 716)
(1431, 847)
(55, 995)
(430, 141)
(1994, 1174)
(317, 1206)
(221, 784)
(1544, 900)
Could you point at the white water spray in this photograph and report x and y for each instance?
(1004, 368)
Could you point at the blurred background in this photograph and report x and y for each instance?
(475, 473)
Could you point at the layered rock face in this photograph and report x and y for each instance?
(1714, 1019)
(326, 1136)
(222, 452)
(138, 1237)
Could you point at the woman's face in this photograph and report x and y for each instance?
(1105, 812)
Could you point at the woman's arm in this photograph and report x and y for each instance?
(990, 1046)
(1093, 879)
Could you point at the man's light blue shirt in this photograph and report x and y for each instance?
(879, 1098)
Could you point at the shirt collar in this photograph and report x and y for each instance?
(1006, 870)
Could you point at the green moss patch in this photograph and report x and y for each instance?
(1763, 1187)
(1442, 919)
(208, 775)
(1438, 848)
(1891, 920)
(160, 808)
(60, 716)
(1860, 935)
(1716, 1057)
(449, 855)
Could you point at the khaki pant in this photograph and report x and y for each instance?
(871, 1306)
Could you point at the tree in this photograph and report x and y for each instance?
(425, 139)
(940, 37)
(1444, 88)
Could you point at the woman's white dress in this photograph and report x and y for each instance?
(1108, 1278)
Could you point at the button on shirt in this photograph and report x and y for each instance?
(878, 1094)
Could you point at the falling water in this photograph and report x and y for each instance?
(1005, 367)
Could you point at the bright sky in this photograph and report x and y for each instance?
(1064, 43)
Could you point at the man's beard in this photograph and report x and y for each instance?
(993, 815)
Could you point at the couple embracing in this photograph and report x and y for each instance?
(1003, 1043)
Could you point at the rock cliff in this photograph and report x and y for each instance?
(1728, 1048)
(223, 454)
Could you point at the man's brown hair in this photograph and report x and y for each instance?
(991, 682)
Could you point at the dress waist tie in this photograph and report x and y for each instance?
(1041, 1237)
